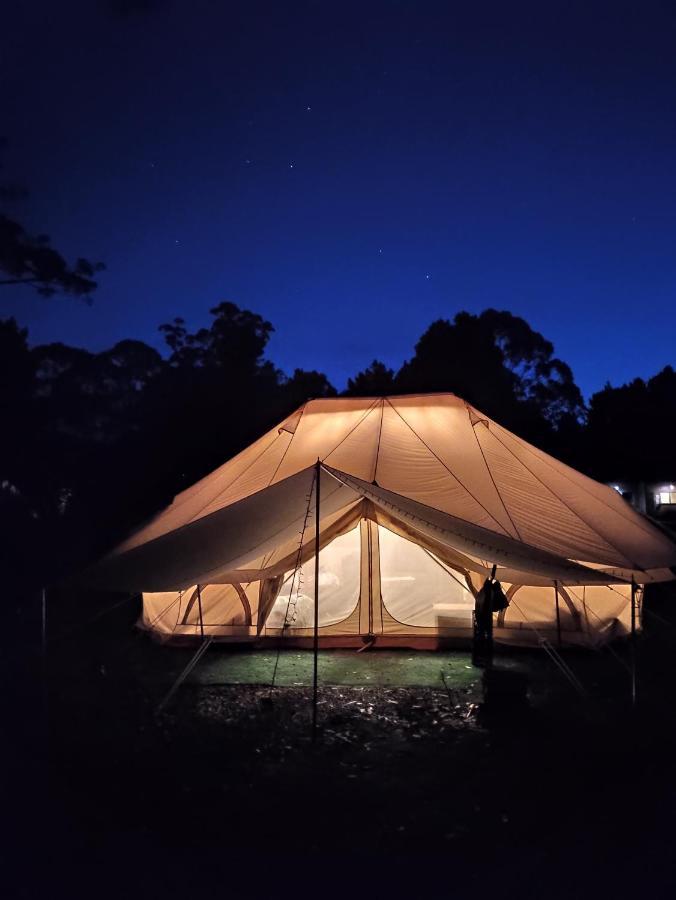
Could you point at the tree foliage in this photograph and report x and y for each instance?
(96, 442)
(631, 430)
(26, 259)
(375, 381)
(30, 259)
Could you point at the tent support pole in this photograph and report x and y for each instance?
(490, 621)
(315, 642)
(199, 603)
(558, 613)
(634, 673)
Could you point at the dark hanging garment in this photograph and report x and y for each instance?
(482, 645)
(483, 604)
(499, 600)
(490, 599)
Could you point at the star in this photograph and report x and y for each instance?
(291, 165)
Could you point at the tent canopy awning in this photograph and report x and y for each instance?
(257, 536)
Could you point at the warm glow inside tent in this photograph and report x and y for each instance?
(420, 497)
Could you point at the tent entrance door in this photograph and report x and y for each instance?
(370, 604)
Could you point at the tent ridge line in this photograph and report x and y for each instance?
(450, 472)
(497, 489)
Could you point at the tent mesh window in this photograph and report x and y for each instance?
(338, 587)
(417, 589)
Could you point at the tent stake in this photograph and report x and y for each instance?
(316, 621)
(558, 613)
(634, 680)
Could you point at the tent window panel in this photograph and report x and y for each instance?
(338, 587)
(221, 605)
(416, 588)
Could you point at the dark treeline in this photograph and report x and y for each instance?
(93, 443)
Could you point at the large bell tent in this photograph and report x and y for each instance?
(422, 498)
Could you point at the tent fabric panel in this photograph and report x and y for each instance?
(599, 505)
(467, 537)
(407, 467)
(245, 530)
(446, 429)
(318, 434)
(162, 611)
(358, 451)
(603, 611)
(222, 604)
(542, 520)
(248, 472)
(285, 557)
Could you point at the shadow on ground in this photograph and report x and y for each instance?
(414, 785)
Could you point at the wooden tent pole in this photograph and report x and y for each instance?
(633, 643)
(315, 643)
(558, 613)
(199, 603)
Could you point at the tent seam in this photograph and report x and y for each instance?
(497, 489)
(380, 432)
(631, 563)
(354, 427)
(288, 447)
(234, 481)
(450, 472)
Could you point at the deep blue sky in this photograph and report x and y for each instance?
(352, 171)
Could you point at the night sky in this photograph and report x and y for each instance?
(352, 171)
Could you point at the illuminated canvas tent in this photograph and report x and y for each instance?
(420, 496)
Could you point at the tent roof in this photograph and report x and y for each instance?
(433, 450)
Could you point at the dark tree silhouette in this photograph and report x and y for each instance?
(542, 378)
(375, 381)
(497, 362)
(463, 357)
(631, 430)
(303, 386)
(93, 443)
(29, 259)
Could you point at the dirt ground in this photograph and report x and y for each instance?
(419, 783)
